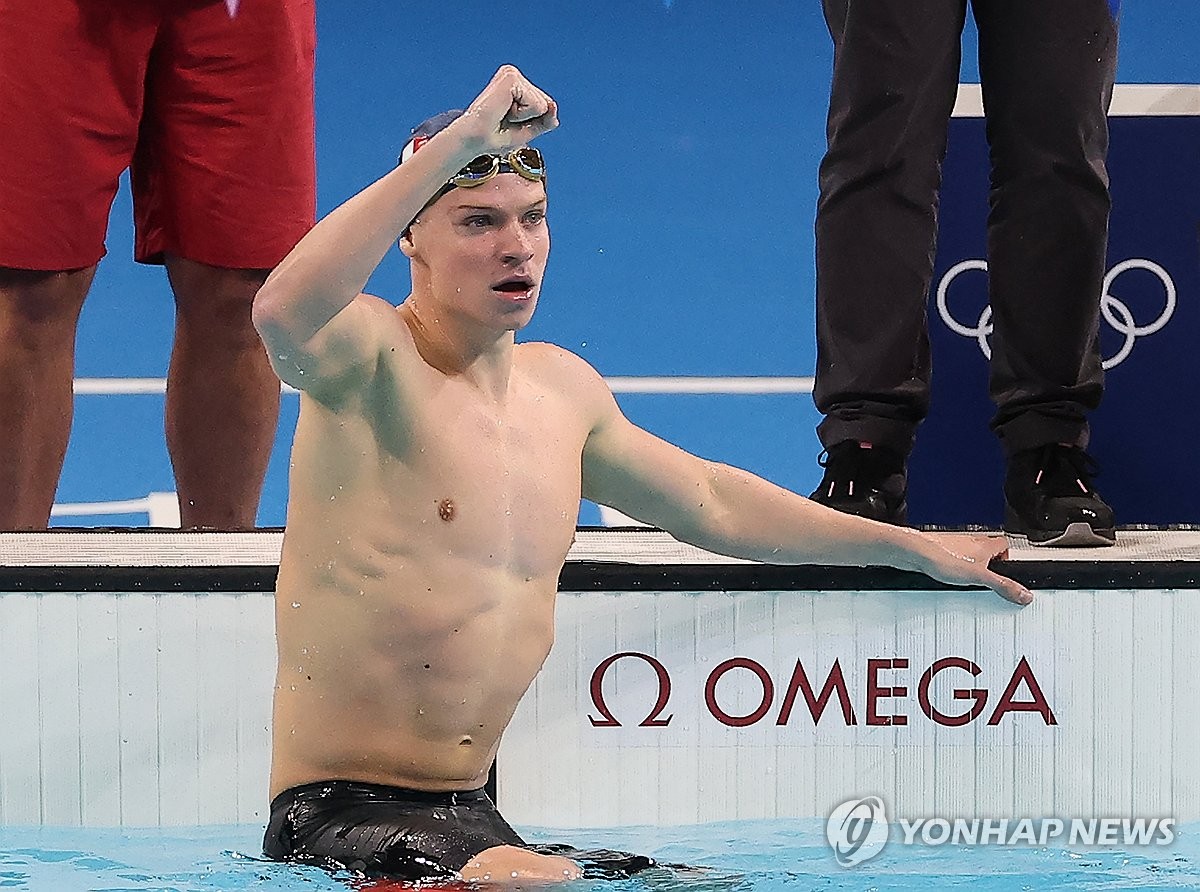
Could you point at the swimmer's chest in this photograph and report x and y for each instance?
(518, 461)
(479, 475)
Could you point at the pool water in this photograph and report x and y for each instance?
(741, 856)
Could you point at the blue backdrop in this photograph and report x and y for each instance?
(683, 184)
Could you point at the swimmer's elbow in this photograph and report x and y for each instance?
(280, 324)
(284, 349)
(268, 314)
(717, 529)
(707, 521)
(729, 524)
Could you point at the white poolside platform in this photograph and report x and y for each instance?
(136, 668)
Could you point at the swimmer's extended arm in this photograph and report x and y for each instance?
(732, 512)
(308, 312)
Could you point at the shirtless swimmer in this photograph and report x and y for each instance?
(436, 476)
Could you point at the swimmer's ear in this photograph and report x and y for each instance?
(405, 244)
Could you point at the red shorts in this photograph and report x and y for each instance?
(212, 114)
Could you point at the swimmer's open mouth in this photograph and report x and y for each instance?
(517, 286)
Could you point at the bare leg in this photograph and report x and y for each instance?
(38, 315)
(222, 396)
(509, 864)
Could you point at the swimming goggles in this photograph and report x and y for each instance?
(526, 161)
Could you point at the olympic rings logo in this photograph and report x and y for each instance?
(1115, 311)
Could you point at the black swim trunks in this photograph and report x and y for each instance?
(392, 832)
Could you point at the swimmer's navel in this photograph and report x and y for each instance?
(446, 510)
(466, 741)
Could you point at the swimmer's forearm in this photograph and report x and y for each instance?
(330, 266)
(754, 519)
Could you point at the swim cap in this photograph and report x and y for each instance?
(428, 129)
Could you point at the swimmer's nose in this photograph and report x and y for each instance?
(517, 248)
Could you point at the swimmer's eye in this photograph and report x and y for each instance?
(478, 221)
(535, 217)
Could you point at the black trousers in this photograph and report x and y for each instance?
(1047, 69)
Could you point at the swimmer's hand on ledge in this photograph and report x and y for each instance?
(962, 559)
(510, 112)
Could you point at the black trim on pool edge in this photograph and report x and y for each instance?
(584, 576)
(617, 576)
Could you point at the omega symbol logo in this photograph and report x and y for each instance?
(653, 719)
(1114, 310)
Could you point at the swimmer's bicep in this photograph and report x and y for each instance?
(647, 478)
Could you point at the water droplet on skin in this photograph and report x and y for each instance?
(514, 874)
(304, 650)
(419, 711)
(295, 603)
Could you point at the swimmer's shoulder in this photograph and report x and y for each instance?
(558, 369)
(551, 362)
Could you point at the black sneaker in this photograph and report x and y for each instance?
(1048, 497)
(864, 480)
